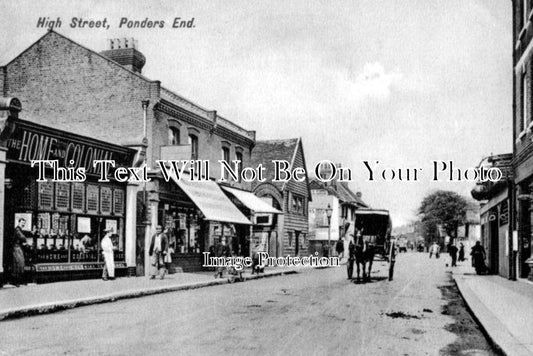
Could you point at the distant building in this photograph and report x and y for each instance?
(343, 202)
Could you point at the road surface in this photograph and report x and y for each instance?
(315, 312)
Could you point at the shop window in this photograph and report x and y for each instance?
(92, 198)
(105, 200)
(225, 157)
(62, 196)
(173, 136)
(193, 141)
(118, 206)
(46, 194)
(524, 99)
(290, 238)
(78, 197)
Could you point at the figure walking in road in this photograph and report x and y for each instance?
(351, 259)
(461, 252)
(18, 262)
(434, 250)
(452, 250)
(109, 259)
(158, 251)
(340, 248)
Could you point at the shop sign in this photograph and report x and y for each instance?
(74, 266)
(30, 141)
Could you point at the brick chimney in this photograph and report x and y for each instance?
(124, 51)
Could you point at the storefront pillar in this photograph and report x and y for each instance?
(131, 228)
(3, 163)
(153, 203)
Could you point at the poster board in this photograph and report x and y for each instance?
(84, 225)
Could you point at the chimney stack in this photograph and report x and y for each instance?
(124, 51)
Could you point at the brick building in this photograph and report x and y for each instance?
(522, 134)
(104, 96)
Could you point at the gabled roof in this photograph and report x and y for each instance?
(165, 93)
(266, 151)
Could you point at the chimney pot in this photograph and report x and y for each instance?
(124, 51)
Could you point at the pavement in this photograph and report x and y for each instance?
(36, 299)
(502, 308)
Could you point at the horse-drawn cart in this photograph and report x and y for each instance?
(372, 237)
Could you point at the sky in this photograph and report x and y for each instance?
(404, 83)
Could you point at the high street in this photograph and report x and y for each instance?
(317, 311)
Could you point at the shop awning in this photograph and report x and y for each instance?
(211, 201)
(252, 202)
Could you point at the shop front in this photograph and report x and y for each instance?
(263, 235)
(195, 216)
(64, 219)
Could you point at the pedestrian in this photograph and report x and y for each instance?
(452, 250)
(393, 251)
(18, 262)
(171, 248)
(478, 258)
(340, 248)
(255, 259)
(434, 249)
(221, 250)
(461, 252)
(351, 259)
(107, 251)
(325, 249)
(157, 252)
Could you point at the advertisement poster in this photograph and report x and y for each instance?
(358, 123)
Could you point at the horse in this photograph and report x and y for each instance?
(364, 253)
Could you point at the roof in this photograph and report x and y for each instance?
(265, 152)
(341, 191)
(165, 93)
(350, 196)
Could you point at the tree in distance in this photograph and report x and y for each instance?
(442, 208)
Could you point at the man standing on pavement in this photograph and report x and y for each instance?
(109, 260)
(157, 252)
(221, 250)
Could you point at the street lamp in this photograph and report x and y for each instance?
(328, 213)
